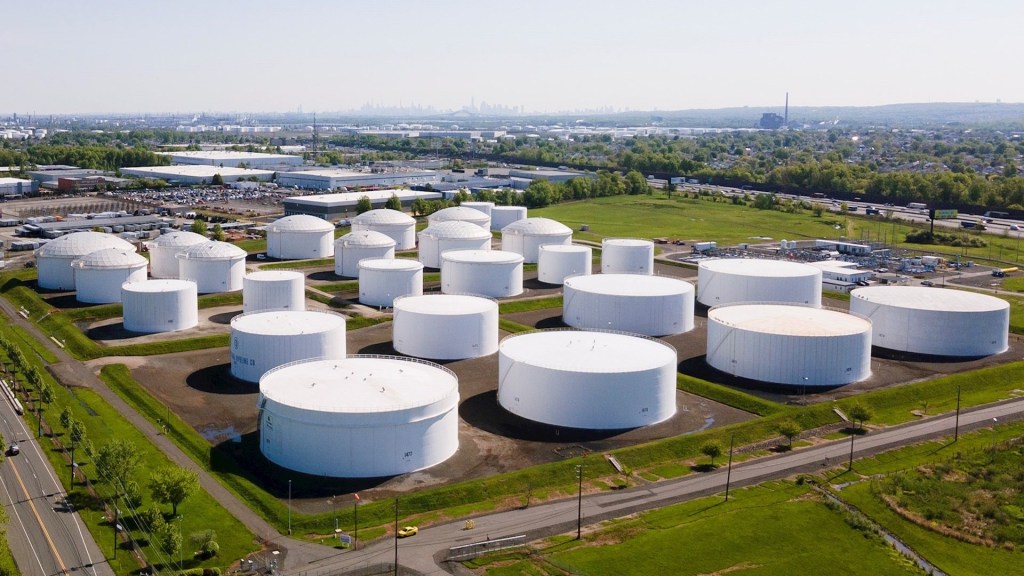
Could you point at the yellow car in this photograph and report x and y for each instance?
(407, 531)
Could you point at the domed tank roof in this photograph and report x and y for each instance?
(78, 244)
(458, 213)
(212, 250)
(111, 258)
(300, 223)
(455, 229)
(538, 226)
(383, 216)
(179, 239)
(365, 238)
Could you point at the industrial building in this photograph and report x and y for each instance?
(469, 325)
(153, 306)
(526, 236)
(353, 247)
(112, 224)
(333, 179)
(359, 417)
(197, 174)
(332, 207)
(441, 237)
(627, 256)
(53, 259)
(49, 176)
(231, 159)
(300, 237)
(383, 280)
(17, 187)
(746, 280)
(556, 262)
(839, 276)
(100, 274)
(213, 266)
(491, 273)
(648, 305)
(587, 379)
(261, 341)
(164, 249)
(267, 290)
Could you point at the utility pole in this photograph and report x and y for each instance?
(579, 501)
(956, 426)
(849, 467)
(355, 514)
(289, 507)
(115, 518)
(728, 472)
(396, 536)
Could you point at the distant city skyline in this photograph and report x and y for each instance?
(121, 56)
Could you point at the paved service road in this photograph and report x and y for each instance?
(45, 537)
(418, 552)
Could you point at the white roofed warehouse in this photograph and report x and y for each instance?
(264, 340)
(526, 236)
(300, 237)
(333, 207)
(231, 158)
(197, 174)
(743, 280)
(359, 417)
(648, 305)
(54, 258)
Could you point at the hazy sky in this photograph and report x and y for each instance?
(100, 56)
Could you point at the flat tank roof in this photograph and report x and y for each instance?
(563, 248)
(587, 351)
(628, 285)
(390, 264)
(170, 285)
(287, 322)
(760, 267)
(930, 298)
(359, 384)
(445, 304)
(627, 242)
(789, 320)
(482, 256)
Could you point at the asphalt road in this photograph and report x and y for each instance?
(421, 552)
(45, 538)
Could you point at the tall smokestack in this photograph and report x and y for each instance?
(785, 121)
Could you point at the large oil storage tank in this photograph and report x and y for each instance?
(355, 246)
(160, 306)
(445, 326)
(792, 345)
(493, 273)
(300, 237)
(439, 238)
(461, 214)
(484, 207)
(587, 379)
(100, 274)
(502, 216)
(53, 259)
(273, 290)
(398, 225)
(359, 417)
(214, 266)
(934, 321)
(648, 305)
(739, 280)
(527, 236)
(627, 256)
(556, 262)
(162, 252)
(264, 340)
(383, 280)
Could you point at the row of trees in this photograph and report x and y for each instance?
(95, 157)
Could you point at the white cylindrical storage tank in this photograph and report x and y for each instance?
(162, 252)
(381, 281)
(556, 262)
(213, 266)
(53, 259)
(648, 305)
(160, 306)
(934, 321)
(790, 345)
(439, 238)
(100, 274)
(300, 237)
(502, 216)
(398, 225)
(527, 236)
(584, 379)
(627, 256)
(264, 340)
(734, 281)
(484, 207)
(355, 246)
(492, 273)
(462, 214)
(445, 326)
(273, 290)
(359, 417)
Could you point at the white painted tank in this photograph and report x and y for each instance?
(445, 326)
(398, 225)
(587, 379)
(359, 417)
(791, 345)
(160, 306)
(439, 238)
(383, 280)
(300, 237)
(627, 256)
(937, 321)
(100, 274)
(484, 207)
(527, 236)
(264, 340)
(162, 252)
(556, 262)
(355, 246)
(273, 290)
(648, 305)
(502, 216)
(747, 280)
(213, 266)
(53, 259)
(461, 214)
(492, 273)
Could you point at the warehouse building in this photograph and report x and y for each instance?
(17, 187)
(334, 206)
(230, 159)
(333, 178)
(201, 174)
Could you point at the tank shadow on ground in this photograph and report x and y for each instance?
(217, 379)
(65, 301)
(699, 368)
(483, 411)
(901, 356)
(224, 317)
(109, 332)
(534, 284)
(327, 276)
(551, 322)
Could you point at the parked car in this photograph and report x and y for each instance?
(927, 283)
(407, 531)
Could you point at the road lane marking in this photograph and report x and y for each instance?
(46, 533)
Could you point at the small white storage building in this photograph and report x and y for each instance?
(398, 225)
(300, 237)
(502, 216)
(213, 266)
(100, 274)
(162, 252)
(527, 236)
(748, 280)
(627, 256)
(160, 306)
(383, 280)
(53, 259)
(556, 262)
(355, 246)
(359, 417)
(264, 340)
(648, 305)
(273, 290)
(492, 273)
(445, 326)
(461, 214)
(439, 238)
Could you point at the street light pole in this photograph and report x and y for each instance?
(849, 467)
(728, 472)
(956, 427)
(579, 501)
(355, 514)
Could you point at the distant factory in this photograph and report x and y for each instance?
(333, 178)
(230, 159)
